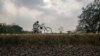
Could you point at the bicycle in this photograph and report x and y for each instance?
(45, 29)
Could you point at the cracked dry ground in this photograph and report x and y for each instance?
(50, 51)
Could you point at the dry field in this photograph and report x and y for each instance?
(50, 45)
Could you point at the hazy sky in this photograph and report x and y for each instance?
(54, 13)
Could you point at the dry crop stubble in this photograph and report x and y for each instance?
(50, 39)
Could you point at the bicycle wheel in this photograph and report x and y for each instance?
(48, 30)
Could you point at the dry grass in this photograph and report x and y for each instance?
(50, 39)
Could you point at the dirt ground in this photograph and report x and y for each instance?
(50, 50)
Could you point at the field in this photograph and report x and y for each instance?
(50, 45)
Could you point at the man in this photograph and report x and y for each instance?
(36, 27)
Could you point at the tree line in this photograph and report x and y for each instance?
(10, 29)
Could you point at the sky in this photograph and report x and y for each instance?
(53, 13)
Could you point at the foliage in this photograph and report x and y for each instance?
(90, 18)
(10, 28)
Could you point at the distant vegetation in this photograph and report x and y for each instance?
(10, 28)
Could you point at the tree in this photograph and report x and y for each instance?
(2, 28)
(10, 29)
(16, 29)
(60, 29)
(90, 18)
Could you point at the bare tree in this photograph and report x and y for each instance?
(60, 29)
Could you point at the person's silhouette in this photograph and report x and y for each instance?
(36, 27)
